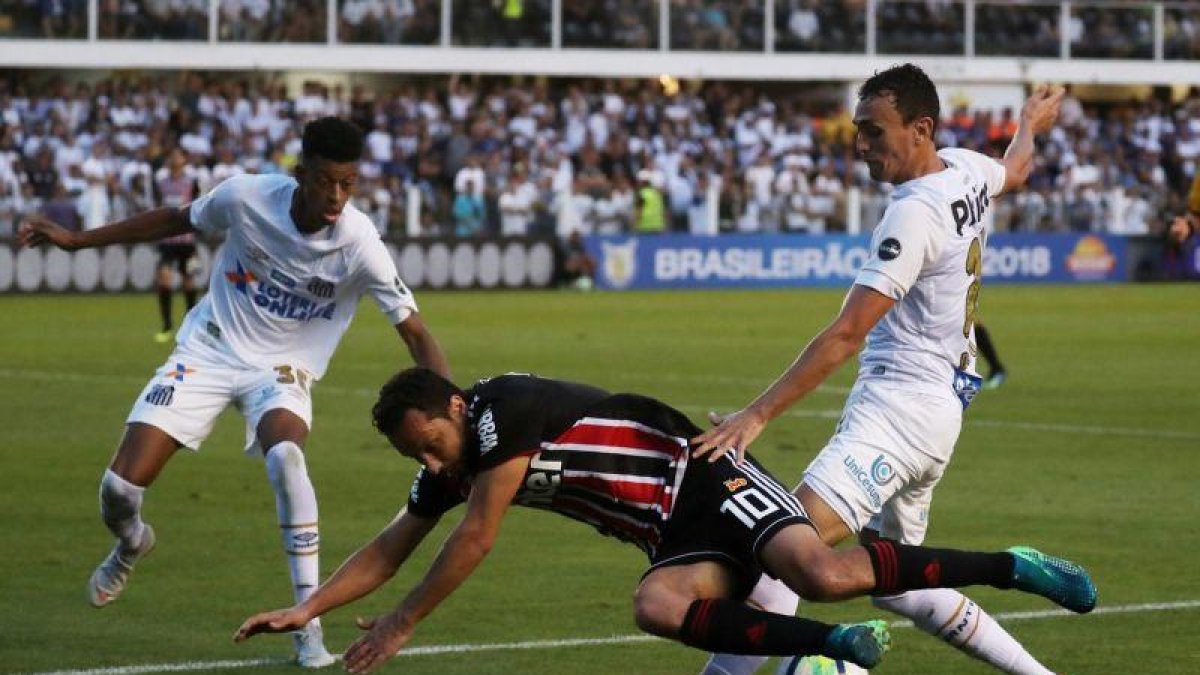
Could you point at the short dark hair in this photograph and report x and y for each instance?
(412, 389)
(911, 89)
(334, 139)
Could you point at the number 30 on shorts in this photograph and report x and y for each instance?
(289, 375)
(749, 506)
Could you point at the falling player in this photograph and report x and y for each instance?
(297, 258)
(620, 463)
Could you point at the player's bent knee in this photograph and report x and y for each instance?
(659, 612)
(285, 460)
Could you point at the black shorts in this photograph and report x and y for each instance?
(726, 513)
(180, 256)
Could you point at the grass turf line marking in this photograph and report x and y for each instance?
(571, 642)
(1164, 434)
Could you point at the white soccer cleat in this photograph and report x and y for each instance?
(310, 647)
(110, 577)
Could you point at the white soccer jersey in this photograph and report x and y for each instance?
(277, 296)
(927, 254)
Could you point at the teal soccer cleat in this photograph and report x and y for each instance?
(1055, 579)
(860, 643)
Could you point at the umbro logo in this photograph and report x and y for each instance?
(321, 288)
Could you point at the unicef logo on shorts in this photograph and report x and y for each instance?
(882, 472)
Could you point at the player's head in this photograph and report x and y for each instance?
(328, 171)
(423, 415)
(896, 119)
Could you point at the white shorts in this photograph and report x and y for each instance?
(887, 454)
(187, 393)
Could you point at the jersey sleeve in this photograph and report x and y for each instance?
(210, 213)
(904, 242)
(993, 172)
(432, 496)
(382, 281)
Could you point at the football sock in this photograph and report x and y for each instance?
(949, 615)
(189, 297)
(900, 567)
(729, 626)
(984, 341)
(296, 507)
(121, 508)
(771, 595)
(164, 308)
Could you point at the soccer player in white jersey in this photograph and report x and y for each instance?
(296, 260)
(913, 304)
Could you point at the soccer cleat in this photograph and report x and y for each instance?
(163, 336)
(860, 643)
(1058, 580)
(310, 646)
(110, 577)
(995, 379)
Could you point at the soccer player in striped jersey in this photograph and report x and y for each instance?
(620, 463)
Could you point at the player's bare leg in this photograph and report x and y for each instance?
(690, 603)
(282, 434)
(143, 453)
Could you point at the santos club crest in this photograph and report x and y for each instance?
(620, 262)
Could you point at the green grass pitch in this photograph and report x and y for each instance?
(1092, 450)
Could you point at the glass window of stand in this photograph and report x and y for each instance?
(501, 23)
(820, 26)
(153, 20)
(1011, 29)
(1111, 31)
(297, 21)
(389, 22)
(610, 24)
(920, 27)
(718, 25)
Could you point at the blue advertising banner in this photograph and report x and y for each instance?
(777, 261)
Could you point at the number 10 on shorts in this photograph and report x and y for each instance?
(749, 506)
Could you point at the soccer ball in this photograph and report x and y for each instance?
(817, 665)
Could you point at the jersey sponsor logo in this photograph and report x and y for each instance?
(160, 394)
(321, 288)
(541, 480)
(969, 209)
(488, 438)
(282, 279)
(889, 249)
(864, 480)
(882, 472)
(241, 278)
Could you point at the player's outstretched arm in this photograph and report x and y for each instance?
(1037, 117)
(465, 548)
(150, 225)
(363, 572)
(424, 348)
(832, 347)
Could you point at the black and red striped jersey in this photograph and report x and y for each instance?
(612, 461)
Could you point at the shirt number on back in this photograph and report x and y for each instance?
(975, 269)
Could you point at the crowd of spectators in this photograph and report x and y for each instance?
(409, 22)
(153, 19)
(506, 156)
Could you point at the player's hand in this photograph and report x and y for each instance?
(36, 230)
(386, 635)
(732, 433)
(1180, 229)
(278, 621)
(1041, 109)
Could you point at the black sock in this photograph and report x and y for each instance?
(189, 297)
(164, 308)
(984, 341)
(720, 625)
(899, 567)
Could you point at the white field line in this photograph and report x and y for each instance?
(1091, 430)
(571, 642)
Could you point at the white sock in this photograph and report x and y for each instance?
(956, 619)
(121, 508)
(772, 595)
(296, 507)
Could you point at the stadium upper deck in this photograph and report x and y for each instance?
(1094, 41)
